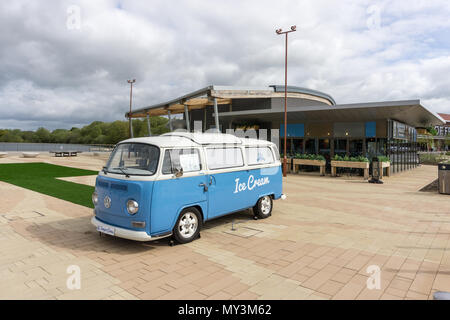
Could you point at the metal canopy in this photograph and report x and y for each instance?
(224, 95)
(410, 112)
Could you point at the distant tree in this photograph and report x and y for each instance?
(60, 136)
(95, 133)
(159, 125)
(29, 136)
(75, 135)
(43, 135)
(117, 131)
(11, 136)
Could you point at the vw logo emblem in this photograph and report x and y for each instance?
(107, 202)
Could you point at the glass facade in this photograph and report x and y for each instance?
(356, 147)
(402, 146)
(298, 145)
(310, 146)
(340, 147)
(376, 138)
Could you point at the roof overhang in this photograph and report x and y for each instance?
(204, 98)
(410, 112)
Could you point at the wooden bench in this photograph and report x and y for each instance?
(306, 162)
(386, 165)
(288, 164)
(350, 164)
(65, 153)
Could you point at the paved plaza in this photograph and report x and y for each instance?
(318, 244)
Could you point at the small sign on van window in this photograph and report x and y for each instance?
(189, 162)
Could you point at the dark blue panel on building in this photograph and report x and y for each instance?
(293, 130)
(371, 129)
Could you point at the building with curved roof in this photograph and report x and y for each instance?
(316, 123)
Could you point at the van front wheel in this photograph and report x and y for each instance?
(188, 225)
(263, 208)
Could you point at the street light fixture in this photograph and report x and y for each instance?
(131, 101)
(280, 31)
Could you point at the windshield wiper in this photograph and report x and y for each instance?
(123, 171)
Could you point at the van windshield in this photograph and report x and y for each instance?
(134, 159)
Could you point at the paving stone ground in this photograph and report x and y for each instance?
(318, 244)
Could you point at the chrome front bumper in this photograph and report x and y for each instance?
(127, 234)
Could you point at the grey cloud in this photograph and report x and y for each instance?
(55, 77)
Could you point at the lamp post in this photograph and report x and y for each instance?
(280, 31)
(131, 101)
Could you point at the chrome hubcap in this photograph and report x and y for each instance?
(188, 225)
(266, 205)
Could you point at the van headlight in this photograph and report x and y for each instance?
(95, 198)
(132, 206)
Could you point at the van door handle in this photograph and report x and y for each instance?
(205, 187)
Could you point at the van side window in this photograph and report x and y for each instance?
(187, 159)
(259, 155)
(221, 158)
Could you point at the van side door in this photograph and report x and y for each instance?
(225, 170)
(171, 193)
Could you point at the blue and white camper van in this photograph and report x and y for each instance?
(155, 187)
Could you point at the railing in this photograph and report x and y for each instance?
(46, 147)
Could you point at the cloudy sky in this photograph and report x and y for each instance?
(65, 63)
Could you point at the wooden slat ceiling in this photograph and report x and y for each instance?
(193, 104)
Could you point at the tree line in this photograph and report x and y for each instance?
(95, 133)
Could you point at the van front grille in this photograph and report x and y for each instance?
(102, 184)
(121, 187)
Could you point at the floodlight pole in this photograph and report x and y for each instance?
(280, 31)
(131, 101)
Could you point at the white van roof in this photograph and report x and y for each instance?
(189, 139)
(207, 138)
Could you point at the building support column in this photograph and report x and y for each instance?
(230, 124)
(170, 121)
(216, 115)
(204, 119)
(186, 115)
(148, 126)
(347, 148)
(364, 149)
(131, 128)
(331, 148)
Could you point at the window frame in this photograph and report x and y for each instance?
(260, 164)
(225, 147)
(134, 174)
(199, 153)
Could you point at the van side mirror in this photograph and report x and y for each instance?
(177, 172)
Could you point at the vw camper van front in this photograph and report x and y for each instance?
(123, 190)
(171, 184)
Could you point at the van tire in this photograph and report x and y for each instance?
(263, 208)
(189, 219)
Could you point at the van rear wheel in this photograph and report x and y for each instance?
(263, 208)
(188, 225)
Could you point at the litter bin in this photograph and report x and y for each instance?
(444, 178)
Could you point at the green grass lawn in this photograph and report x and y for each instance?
(41, 177)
